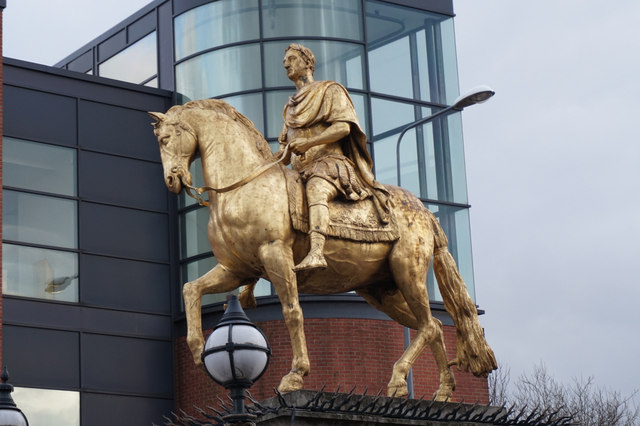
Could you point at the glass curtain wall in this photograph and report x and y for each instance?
(398, 64)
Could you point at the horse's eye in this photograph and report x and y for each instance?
(178, 132)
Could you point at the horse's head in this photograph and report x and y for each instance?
(178, 145)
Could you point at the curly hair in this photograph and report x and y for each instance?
(306, 54)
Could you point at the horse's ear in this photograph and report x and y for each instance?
(158, 116)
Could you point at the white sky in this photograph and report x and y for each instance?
(553, 168)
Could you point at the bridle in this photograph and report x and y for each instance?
(257, 172)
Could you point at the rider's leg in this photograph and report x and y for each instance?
(319, 193)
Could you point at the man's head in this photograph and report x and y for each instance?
(298, 61)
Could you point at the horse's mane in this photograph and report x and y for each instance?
(221, 107)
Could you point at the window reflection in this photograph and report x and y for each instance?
(48, 407)
(135, 64)
(39, 219)
(220, 72)
(251, 106)
(337, 61)
(39, 167)
(215, 24)
(193, 232)
(41, 273)
(455, 223)
(416, 48)
(322, 18)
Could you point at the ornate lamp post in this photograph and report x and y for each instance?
(477, 95)
(10, 414)
(235, 355)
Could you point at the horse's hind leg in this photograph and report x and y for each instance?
(217, 280)
(410, 276)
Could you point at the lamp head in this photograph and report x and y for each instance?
(236, 353)
(477, 95)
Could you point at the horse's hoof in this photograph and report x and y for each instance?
(291, 382)
(398, 390)
(443, 394)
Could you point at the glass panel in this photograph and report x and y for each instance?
(135, 64)
(39, 219)
(385, 161)
(41, 273)
(215, 24)
(455, 222)
(416, 48)
(193, 233)
(251, 106)
(152, 83)
(39, 167)
(48, 407)
(220, 72)
(321, 18)
(336, 61)
(360, 104)
(390, 68)
(456, 158)
(275, 104)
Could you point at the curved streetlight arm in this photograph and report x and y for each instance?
(447, 110)
(477, 95)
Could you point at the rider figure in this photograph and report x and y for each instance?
(327, 147)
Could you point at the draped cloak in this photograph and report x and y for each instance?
(327, 102)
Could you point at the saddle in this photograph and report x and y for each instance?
(351, 220)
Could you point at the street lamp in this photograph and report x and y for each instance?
(477, 95)
(10, 414)
(235, 355)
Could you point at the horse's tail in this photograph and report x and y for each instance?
(472, 350)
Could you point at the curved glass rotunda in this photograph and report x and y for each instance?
(398, 64)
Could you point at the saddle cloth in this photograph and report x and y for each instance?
(356, 221)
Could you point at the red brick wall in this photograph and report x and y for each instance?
(343, 352)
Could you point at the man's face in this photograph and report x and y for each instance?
(294, 65)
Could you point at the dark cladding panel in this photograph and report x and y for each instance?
(82, 63)
(125, 284)
(122, 181)
(122, 364)
(117, 130)
(112, 45)
(110, 410)
(124, 232)
(41, 358)
(39, 116)
(142, 27)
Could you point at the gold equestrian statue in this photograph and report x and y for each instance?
(323, 226)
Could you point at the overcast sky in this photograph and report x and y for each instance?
(553, 169)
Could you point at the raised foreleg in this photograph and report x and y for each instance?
(277, 259)
(217, 280)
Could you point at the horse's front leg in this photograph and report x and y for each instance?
(277, 259)
(217, 280)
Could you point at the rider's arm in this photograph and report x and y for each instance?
(331, 134)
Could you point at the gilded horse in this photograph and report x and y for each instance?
(251, 233)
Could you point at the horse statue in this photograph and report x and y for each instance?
(252, 235)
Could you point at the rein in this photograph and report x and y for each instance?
(257, 172)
